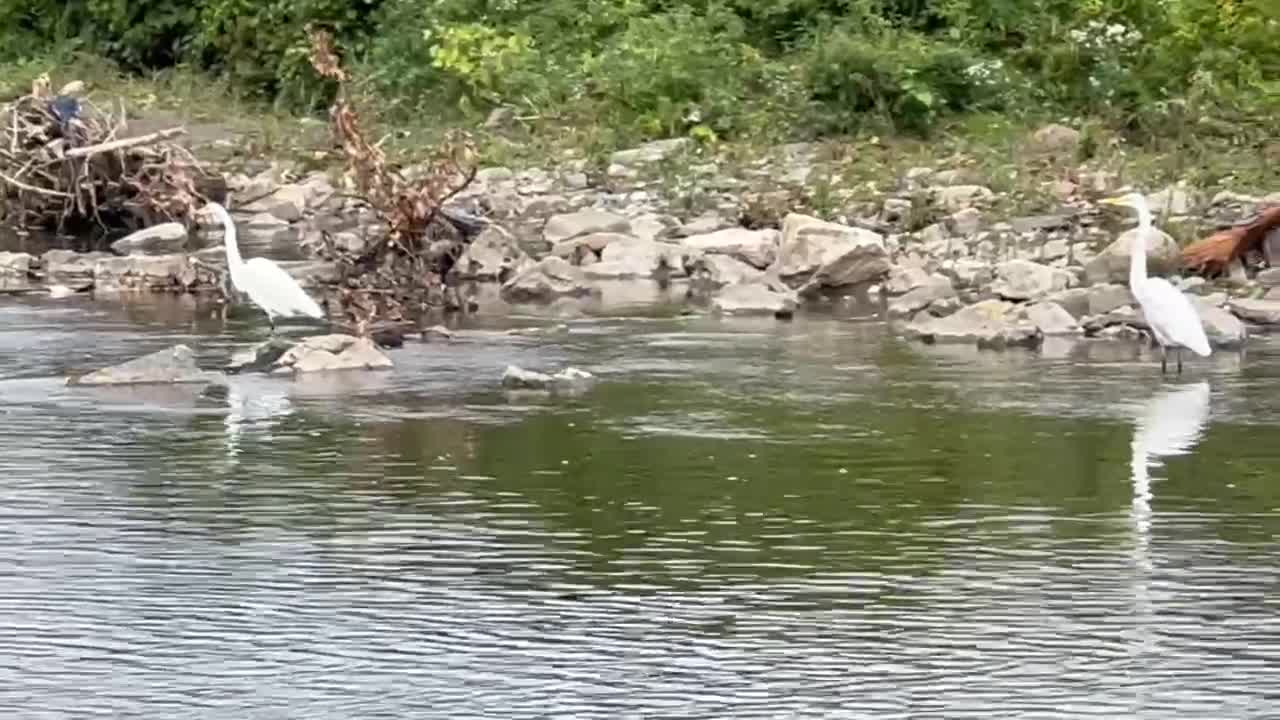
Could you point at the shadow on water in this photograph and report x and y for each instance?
(744, 518)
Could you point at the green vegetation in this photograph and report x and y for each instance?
(1159, 75)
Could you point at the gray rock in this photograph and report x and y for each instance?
(758, 248)
(965, 222)
(70, 268)
(826, 254)
(1056, 249)
(16, 271)
(550, 278)
(954, 198)
(493, 255)
(1261, 312)
(570, 379)
(311, 274)
(1026, 280)
(935, 288)
(1173, 200)
(754, 299)
(720, 270)
(575, 249)
(176, 364)
(1052, 319)
(286, 204)
(1107, 297)
(261, 357)
(1038, 223)
(165, 238)
(1112, 264)
(989, 323)
(583, 222)
(1073, 300)
(651, 226)
(635, 258)
(1223, 329)
(495, 175)
(651, 152)
(704, 225)
(1268, 278)
(905, 278)
(969, 273)
(336, 351)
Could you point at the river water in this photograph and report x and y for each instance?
(742, 519)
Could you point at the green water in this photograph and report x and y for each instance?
(740, 519)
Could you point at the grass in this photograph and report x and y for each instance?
(849, 173)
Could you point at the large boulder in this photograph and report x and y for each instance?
(758, 248)
(1112, 264)
(176, 364)
(827, 254)
(989, 323)
(550, 278)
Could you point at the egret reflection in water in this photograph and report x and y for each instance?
(253, 404)
(1169, 424)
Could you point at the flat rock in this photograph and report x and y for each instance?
(1052, 319)
(1112, 264)
(151, 273)
(1027, 280)
(494, 254)
(827, 254)
(176, 364)
(953, 198)
(635, 258)
(583, 222)
(287, 203)
(651, 152)
(70, 268)
(261, 357)
(989, 323)
(336, 351)
(969, 273)
(165, 238)
(1261, 312)
(755, 298)
(550, 278)
(905, 278)
(1073, 300)
(758, 248)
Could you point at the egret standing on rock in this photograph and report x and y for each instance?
(1172, 318)
(266, 283)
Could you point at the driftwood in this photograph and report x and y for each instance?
(67, 165)
(402, 274)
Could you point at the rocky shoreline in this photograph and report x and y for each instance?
(958, 275)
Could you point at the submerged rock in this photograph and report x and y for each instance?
(258, 358)
(176, 364)
(571, 379)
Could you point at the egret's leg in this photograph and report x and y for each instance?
(1164, 360)
(1178, 353)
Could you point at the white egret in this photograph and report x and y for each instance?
(1172, 318)
(266, 283)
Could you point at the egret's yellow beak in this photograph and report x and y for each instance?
(1113, 201)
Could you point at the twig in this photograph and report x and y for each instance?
(32, 188)
(125, 143)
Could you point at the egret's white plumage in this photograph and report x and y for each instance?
(1173, 320)
(266, 283)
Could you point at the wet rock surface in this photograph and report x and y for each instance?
(172, 365)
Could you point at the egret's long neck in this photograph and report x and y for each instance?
(229, 240)
(1138, 247)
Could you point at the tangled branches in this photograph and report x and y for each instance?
(66, 164)
(401, 273)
